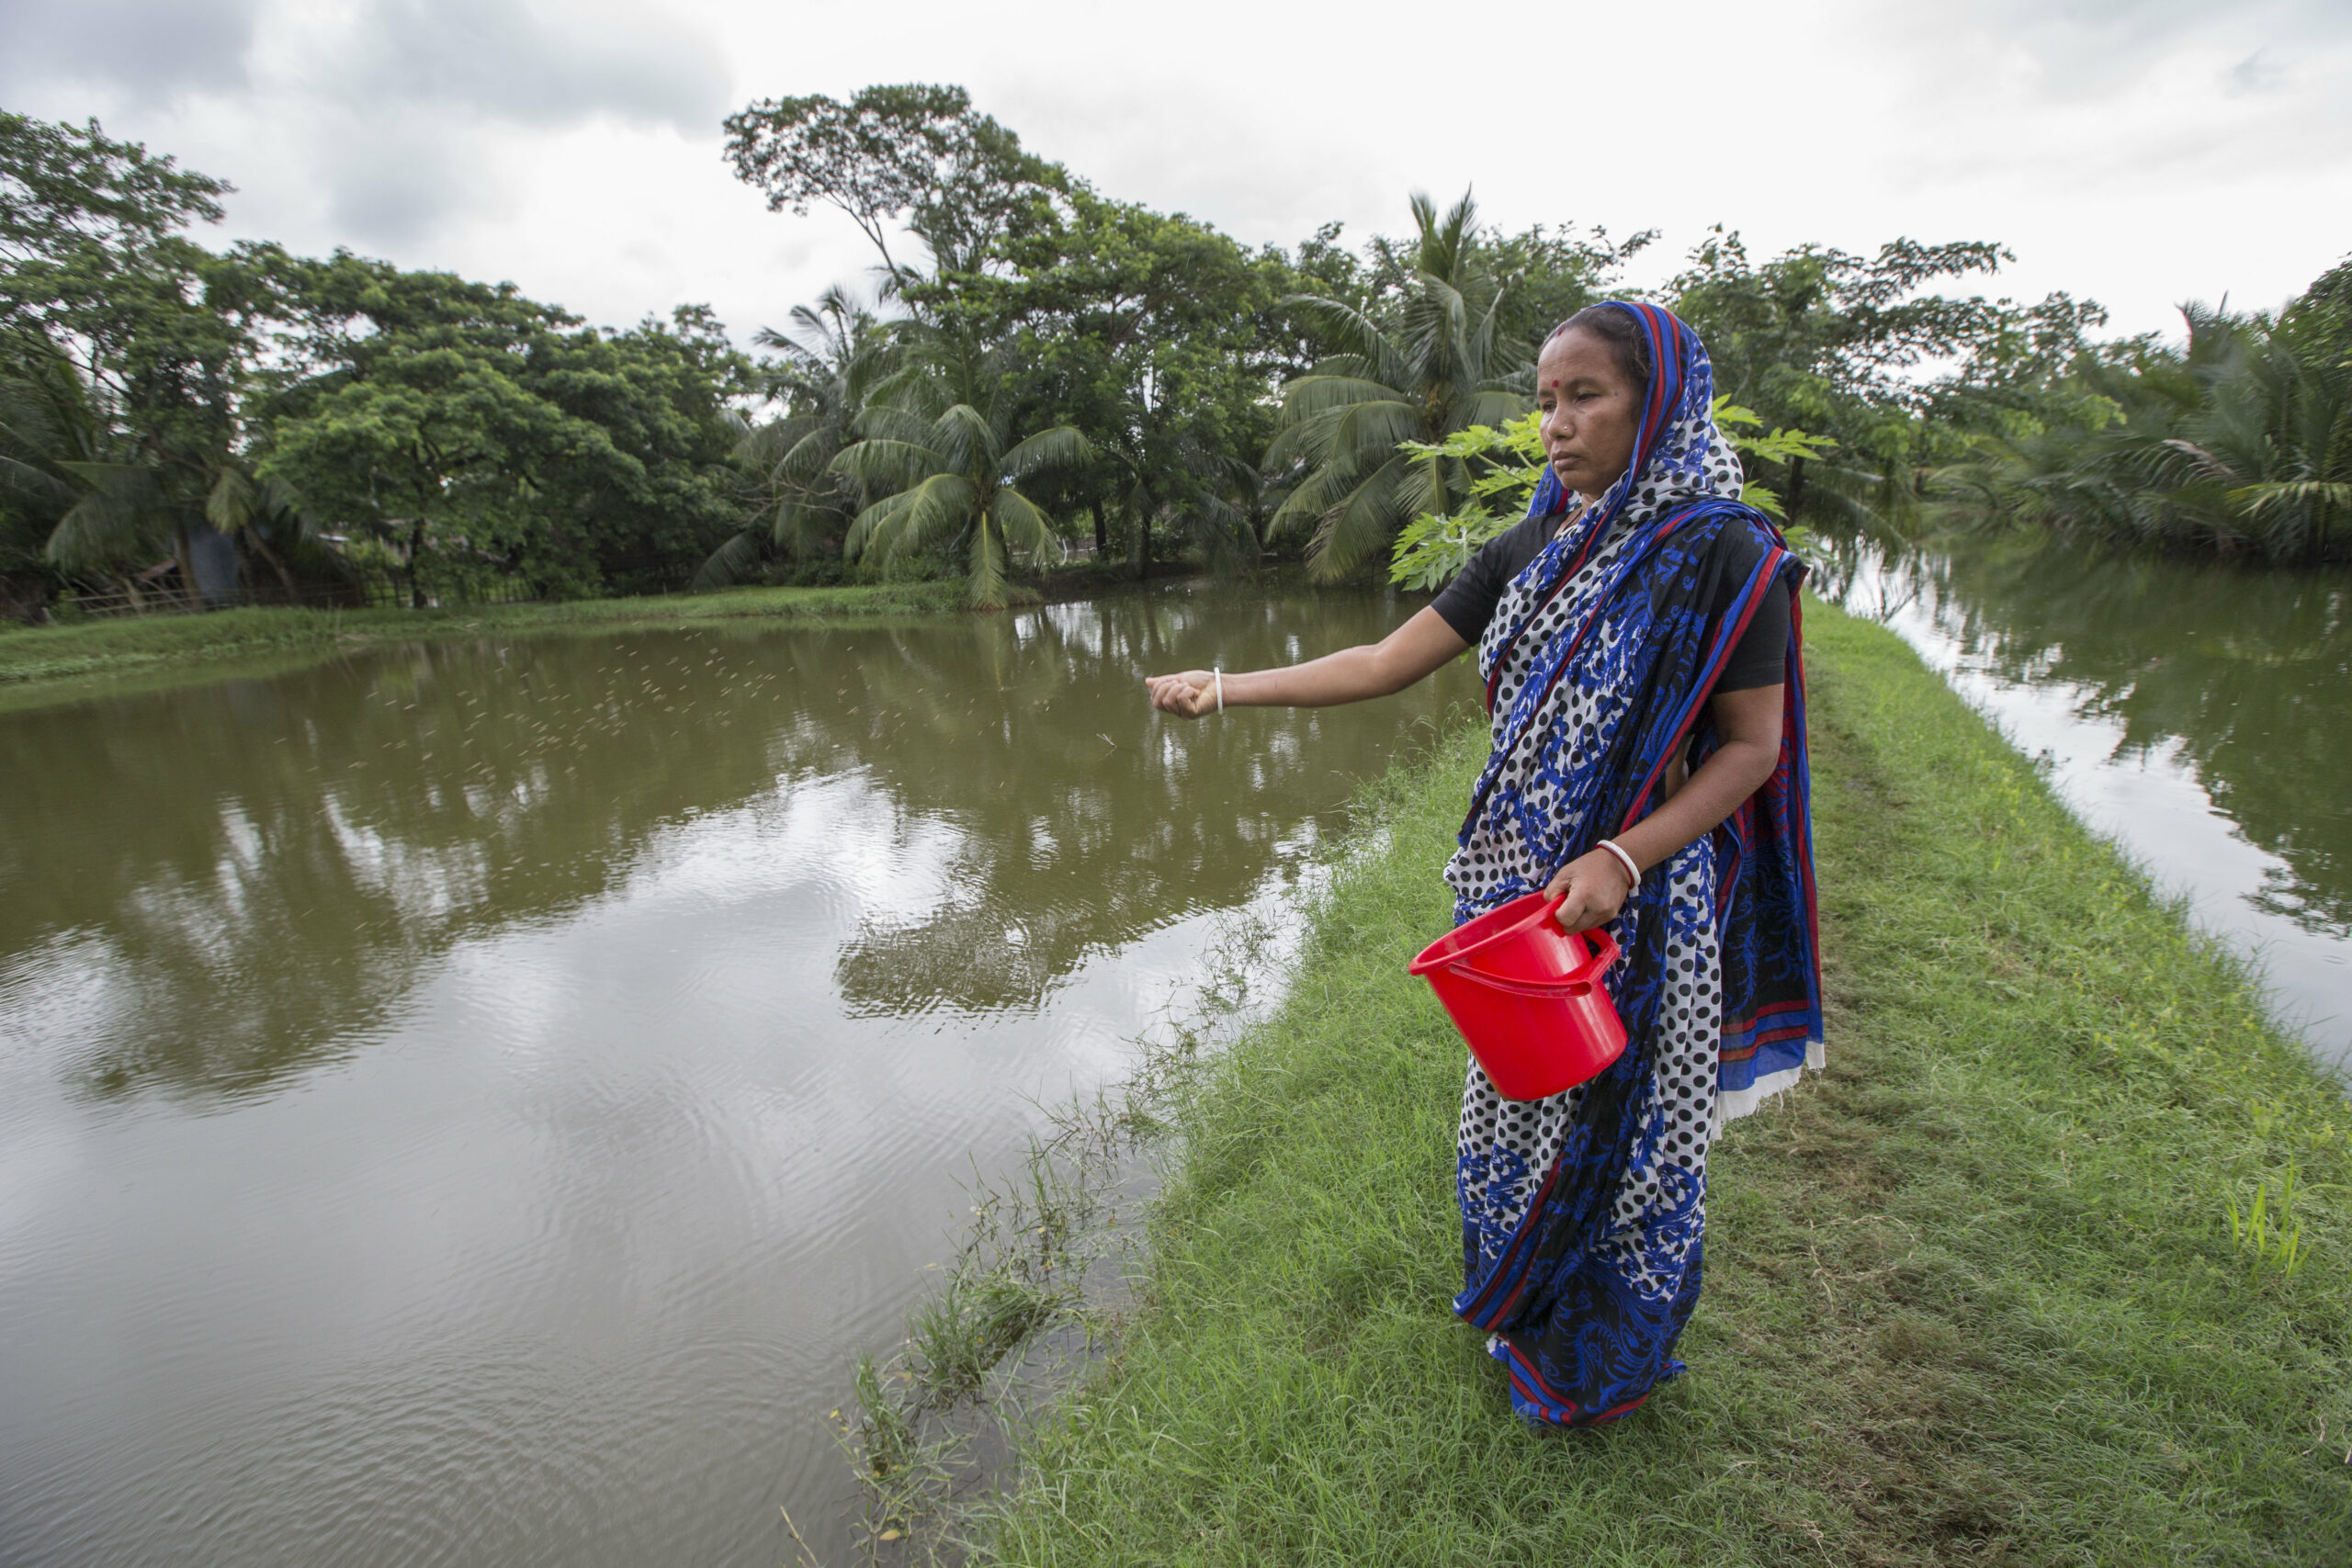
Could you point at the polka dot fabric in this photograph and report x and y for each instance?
(1504, 1147)
(1584, 1214)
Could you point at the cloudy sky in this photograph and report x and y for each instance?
(2140, 151)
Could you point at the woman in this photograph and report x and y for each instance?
(1640, 641)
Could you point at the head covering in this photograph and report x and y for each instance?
(1678, 454)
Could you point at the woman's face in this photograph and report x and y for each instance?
(1591, 412)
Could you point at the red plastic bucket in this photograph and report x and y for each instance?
(1527, 996)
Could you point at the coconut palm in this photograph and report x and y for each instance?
(46, 419)
(834, 354)
(1436, 364)
(266, 517)
(940, 447)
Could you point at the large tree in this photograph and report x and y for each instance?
(1154, 335)
(2239, 439)
(942, 448)
(1436, 362)
(1857, 349)
(99, 283)
(914, 154)
(476, 433)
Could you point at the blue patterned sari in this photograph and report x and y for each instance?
(1583, 1215)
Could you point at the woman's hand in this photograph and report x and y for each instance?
(1191, 694)
(1375, 670)
(1595, 885)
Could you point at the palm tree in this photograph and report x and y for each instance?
(2244, 439)
(121, 520)
(1434, 364)
(2274, 437)
(47, 420)
(267, 516)
(834, 354)
(939, 447)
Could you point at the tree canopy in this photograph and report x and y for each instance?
(323, 423)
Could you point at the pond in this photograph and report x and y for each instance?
(469, 1104)
(2197, 714)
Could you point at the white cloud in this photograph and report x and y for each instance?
(501, 59)
(158, 51)
(2140, 151)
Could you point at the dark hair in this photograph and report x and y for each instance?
(1617, 328)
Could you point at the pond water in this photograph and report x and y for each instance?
(469, 1103)
(2197, 714)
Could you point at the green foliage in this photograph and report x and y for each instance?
(1783, 445)
(2241, 440)
(1827, 340)
(318, 413)
(404, 416)
(1152, 336)
(326, 415)
(913, 151)
(98, 288)
(942, 453)
(1436, 363)
(833, 358)
(1507, 463)
(474, 433)
(47, 424)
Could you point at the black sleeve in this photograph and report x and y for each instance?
(1760, 658)
(1468, 602)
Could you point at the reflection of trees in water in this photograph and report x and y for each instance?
(1082, 821)
(266, 864)
(2248, 671)
(255, 871)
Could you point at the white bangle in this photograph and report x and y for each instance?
(1219, 676)
(1614, 848)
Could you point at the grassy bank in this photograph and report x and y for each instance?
(39, 656)
(1972, 1295)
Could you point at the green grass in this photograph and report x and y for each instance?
(1972, 1295)
(42, 663)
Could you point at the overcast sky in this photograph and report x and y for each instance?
(2139, 152)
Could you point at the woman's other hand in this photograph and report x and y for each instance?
(1593, 887)
(1191, 694)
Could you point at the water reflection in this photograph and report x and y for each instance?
(469, 1104)
(2187, 696)
(230, 882)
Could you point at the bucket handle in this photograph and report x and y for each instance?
(1604, 946)
(1604, 954)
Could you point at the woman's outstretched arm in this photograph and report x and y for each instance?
(1419, 648)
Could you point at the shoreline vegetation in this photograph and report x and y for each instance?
(1041, 360)
(1993, 1287)
(69, 661)
(39, 665)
